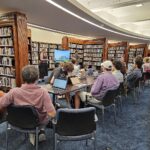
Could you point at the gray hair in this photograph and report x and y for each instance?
(30, 74)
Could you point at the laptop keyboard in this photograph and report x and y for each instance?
(58, 90)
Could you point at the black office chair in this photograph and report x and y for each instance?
(136, 89)
(23, 119)
(75, 125)
(120, 94)
(107, 102)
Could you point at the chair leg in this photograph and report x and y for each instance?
(103, 116)
(36, 136)
(120, 99)
(6, 135)
(94, 140)
(26, 139)
(114, 113)
(55, 142)
(86, 142)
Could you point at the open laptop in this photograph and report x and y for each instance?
(60, 83)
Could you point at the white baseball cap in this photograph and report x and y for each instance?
(107, 64)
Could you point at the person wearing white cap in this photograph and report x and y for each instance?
(105, 81)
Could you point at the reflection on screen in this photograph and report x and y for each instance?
(61, 55)
(59, 83)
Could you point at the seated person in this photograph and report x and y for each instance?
(30, 94)
(82, 72)
(105, 81)
(63, 72)
(58, 67)
(117, 65)
(123, 68)
(66, 72)
(135, 73)
(146, 65)
(90, 70)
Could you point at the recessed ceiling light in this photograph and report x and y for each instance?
(139, 5)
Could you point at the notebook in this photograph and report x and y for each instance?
(75, 80)
(60, 83)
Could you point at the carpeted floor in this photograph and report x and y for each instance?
(132, 131)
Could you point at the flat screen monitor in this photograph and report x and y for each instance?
(61, 55)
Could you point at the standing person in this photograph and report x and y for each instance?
(76, 56)
(146, 65)
(30, 94)
(43, 66)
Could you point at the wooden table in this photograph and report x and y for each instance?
(84, 83)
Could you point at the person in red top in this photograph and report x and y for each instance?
(30, 94)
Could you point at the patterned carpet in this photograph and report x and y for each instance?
(132, 131)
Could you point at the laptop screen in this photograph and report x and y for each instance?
(60, 83)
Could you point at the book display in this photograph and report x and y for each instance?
(35, 53)
(13, 54)
(76, 45)
(116, 50)
(29, 47)
(93, 53)
(52, 47)
(135, 50)
(37, 48)
(89, 51)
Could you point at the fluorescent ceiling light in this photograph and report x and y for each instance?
(92, 23)
(139, 5)
(96, 10)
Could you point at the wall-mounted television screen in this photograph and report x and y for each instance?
(61, 55)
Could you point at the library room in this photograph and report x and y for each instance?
(74, 75)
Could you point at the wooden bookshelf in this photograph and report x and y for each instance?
(35, 53)
(116, 50)
(13, 49)
(135, 50)
(50, 47)
(29, 47)
(91, 52)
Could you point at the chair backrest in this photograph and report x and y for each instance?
(25, 117)
(121, 88)
(109, 97)
(136, 84)
(75, 122)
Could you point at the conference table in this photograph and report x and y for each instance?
(84, 83)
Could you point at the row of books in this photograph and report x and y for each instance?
(93, 46)
(92, 55)
(6, 61)
(7, 71)
(97, 50)
(6, 42)
(7, 82)
(117, 48)
(5, 31)
(6, 51)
